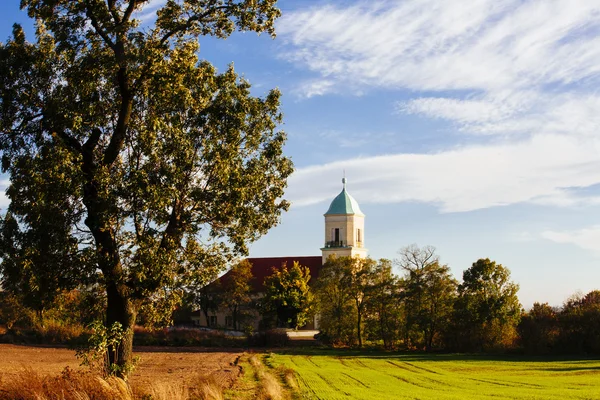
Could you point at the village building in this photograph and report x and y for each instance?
(344, 236)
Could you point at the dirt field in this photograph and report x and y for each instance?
(157, 364)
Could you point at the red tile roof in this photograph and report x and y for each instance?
(262, 267)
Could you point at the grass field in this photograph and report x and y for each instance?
(338, 375)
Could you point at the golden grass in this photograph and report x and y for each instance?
(269, 387)
(168, 391)
(29, 385)
(289, 377)
(208, 389)
(71, 385)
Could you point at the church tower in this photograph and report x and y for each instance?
(344, 227)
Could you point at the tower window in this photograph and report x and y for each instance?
(336, 235)
(358, 235)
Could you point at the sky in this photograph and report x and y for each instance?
(470, 126)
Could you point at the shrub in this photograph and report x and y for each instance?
(184, 337)
(270, 338)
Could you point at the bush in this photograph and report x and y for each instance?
(184, 337)
(270, 338)
(51, 332)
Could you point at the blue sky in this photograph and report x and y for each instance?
(470, 126)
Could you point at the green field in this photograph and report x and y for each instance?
(338, 375)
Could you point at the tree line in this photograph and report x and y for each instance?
(359, 302)
(425, 308)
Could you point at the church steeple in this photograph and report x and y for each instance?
(344, 227)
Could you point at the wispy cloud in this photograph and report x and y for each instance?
(434, 45)
(148, 11)
(588, 238)
(524, 73)
(462, 179)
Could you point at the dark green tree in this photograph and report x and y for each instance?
(579, 321)
(343, 288)
(429, 295)
(385, 308)
(237, 287)
(288, 294)
(159, 158)
(334, 302)
(539, 329)
(487, 310)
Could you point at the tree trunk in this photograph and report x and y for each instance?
(358, 324)
(120, 310)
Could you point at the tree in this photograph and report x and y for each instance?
(579, 322)
(208, 298)
(236, 291)
(487, 310)
(40, 263)
(385, 308)
(429, 291)
(343, 289)
(538, 329)
(160, 159)
(429, 295)
(288, 294)
(334, 301)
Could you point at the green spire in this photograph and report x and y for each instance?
(344, 204)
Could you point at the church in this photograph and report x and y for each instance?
(344, 236)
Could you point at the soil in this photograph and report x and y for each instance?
(156, 365)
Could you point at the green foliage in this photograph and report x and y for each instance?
(378, 375)
(487, 310)
(288, 294)
(386, 310)
(343, 291)
(336, 309)
(237, 285)
(429, 292)
(539, 329)
(134, 165)
(12, 311)
(101, 342)
(579, 322)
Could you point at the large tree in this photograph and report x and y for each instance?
(429, 293)
(343, 289)
(487, 310)
(160, 160)
(288, 295)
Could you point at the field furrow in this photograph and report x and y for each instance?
(381, 376)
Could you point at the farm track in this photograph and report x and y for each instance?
(384, 376)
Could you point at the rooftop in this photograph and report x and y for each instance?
(344, 204)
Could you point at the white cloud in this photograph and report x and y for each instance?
(540, 169)
(148, 11)
(587, 238)
(524, 73)
(434, 45)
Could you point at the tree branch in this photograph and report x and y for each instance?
(97, 28)
(189, 23)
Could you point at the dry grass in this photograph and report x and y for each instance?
(208, 389)
(269, 387)
(168, 391)
(163, 373)
(70, 385)
(289, 377)
(77, 385)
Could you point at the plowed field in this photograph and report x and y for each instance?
(157, 364)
